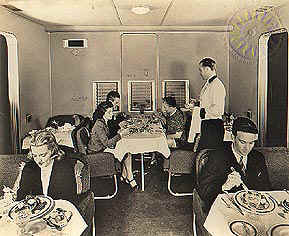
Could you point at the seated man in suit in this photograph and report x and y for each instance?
(235, 167)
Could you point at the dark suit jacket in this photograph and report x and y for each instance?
(62, 183)
(214, 174)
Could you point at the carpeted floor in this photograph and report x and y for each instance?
(152, 212)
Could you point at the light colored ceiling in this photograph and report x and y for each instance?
(118, 12)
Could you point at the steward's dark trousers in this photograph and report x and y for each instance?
(212, 134)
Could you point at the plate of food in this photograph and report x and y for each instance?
(279, 230)
(255, 202)
(58, 218)
(39, 206)
(242, 228)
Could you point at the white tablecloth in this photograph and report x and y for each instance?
(195, 127)
(219, 218)
(140, 143)
(75, 226)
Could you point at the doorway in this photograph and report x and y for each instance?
(273, 89)
(9, 95)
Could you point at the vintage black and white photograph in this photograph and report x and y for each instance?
(144, 118)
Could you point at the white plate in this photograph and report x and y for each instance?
(268, 206)
(279, 230)
(49, 205)
(242, 228)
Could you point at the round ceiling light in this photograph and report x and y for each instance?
(140, 10)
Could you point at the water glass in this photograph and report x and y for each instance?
(21, 218)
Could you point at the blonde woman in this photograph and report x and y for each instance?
(50, 172)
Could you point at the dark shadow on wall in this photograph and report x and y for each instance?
(5, 131)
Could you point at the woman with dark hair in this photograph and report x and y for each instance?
(174, 120)
(99, 139)
(50, 172)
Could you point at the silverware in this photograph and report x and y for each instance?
(280, 204)
(233, 202)
(281, 215)
(225, 202)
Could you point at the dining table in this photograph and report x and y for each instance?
(229, 215)
(140, 143)
(75, 226)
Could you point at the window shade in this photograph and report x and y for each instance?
(178, 89)
(141, 93)
(101, 89)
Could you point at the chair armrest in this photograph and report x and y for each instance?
(87, 210)
(200, 214)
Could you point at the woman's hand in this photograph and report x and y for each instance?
(123, 132)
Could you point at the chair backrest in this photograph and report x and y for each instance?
(81, 135)
(10, 170)
(82, 172)
(201, 160)
(60, 120)
(277, 161)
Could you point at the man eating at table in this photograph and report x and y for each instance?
(235, 167)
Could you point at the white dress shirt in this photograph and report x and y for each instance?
(212, 98)
(45, 177)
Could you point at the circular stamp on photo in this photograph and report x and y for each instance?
(247, 27)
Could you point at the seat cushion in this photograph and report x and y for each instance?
(101, 164)
(181, 161)
(10, 168)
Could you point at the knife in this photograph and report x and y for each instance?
(233, 202)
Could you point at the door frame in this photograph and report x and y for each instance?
(262, 85)
(14, 91)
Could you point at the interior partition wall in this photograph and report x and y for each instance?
(273, 89)
(139, 59)
(9, 95)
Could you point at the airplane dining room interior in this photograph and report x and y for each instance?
(60, 58)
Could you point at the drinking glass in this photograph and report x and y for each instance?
(21, 218)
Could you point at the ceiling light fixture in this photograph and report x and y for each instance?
(140, 10)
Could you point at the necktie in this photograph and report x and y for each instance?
(242, 166)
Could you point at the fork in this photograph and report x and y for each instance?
(281, 215)
(227, 205)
